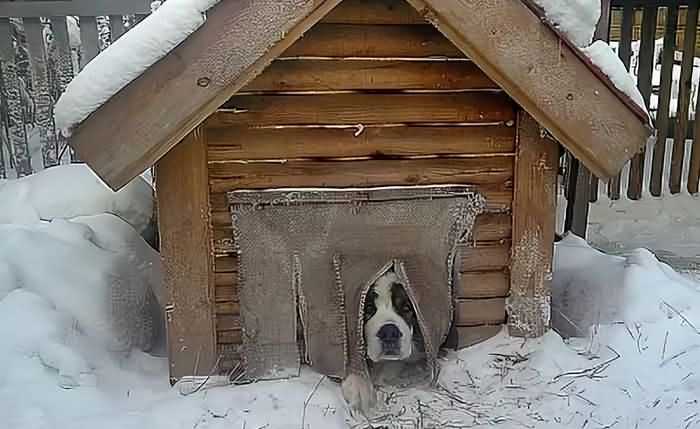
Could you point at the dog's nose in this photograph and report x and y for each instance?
(389, 332)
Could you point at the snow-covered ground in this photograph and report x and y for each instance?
(64, 362)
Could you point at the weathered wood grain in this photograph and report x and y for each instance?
(476, 312)
(483, 284)
(490, 256)
(353, 109)
(243, 143)
(478, 171)
(391, 41)
(239, 39)
(546, 76)
(184, 226)
(342, 75)
(470, 335)
(534, 210)
(385, 12)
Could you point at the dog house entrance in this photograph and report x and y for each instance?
(315, 252)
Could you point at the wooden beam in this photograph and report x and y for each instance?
(359, 108)
(239, 39)
(545, 75)
(341, 75)
(185, 231)
(385, 12)
(303, 173)
(534, 213)
(34, 8)
(242, 143)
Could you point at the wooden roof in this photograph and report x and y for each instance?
(507, 39)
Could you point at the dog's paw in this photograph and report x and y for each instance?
(359, 393)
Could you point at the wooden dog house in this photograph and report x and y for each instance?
(357, 93)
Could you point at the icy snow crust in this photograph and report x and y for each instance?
(128, 57)
(63, 365)
(577, 19)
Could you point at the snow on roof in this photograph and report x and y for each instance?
(175, 20)
(128, 57)
(576, 19)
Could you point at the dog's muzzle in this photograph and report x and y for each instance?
(390, 337)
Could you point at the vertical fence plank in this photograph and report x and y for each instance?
(62, 60)
(684, 88)
(43, 101)
(602, 32)
(116, 26)
(20, 157)
(694, 170)
(89, 39)
(662, 111)
(645, 72)
(625, 53)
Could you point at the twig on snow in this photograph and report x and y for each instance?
(685, 319)
(308, 399)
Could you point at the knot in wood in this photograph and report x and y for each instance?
(203, 82)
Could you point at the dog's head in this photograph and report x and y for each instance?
(389, 320)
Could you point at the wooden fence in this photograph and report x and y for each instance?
(42, 45)
(657, 40)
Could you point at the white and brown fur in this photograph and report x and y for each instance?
(392, 339)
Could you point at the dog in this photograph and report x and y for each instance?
(391, 334)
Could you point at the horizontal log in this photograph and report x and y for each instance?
(476, 171)
(485, 257)
(383, 12)
(225, 264)
(227, 308)
(492, 227)
(342, 75)
(224, 292)
(225, 280)
(489, 227)
(474, 312)
(228, 322)
(470, 335)
(499, 198)
(232, 336)
(393, 41)
(243, 143)
(485, 284)
(353, 109)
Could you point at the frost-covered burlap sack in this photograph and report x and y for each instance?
(310, 256)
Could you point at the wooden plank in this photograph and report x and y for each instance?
(184, 226)
(694, 170)
(237, 41)
(242, 143)
(578, 197)
(625, 54)
(475, 312)
(341, 75)
(232, 336)
(116, 25)
(484, 257)
(663, 113)
(63, 61)
(227, 308)
(477, 171)
(468, 336)
(37, 8)
(602, 32)
(391, 41)
(223, 281)
(684, 87)
(492, 227)
(545, 75)
(645, 72)
(353, 109)
(89, 38)
(226, 322)
(41, 92)
(534, 223)
(485, 284)
(384, 12)
(225, 264)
